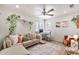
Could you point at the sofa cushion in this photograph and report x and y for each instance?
(38, 36)
(30, 36)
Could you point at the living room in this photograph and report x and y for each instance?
(50, 23)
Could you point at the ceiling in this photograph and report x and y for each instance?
(34, 10)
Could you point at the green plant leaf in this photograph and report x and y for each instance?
(12, 20)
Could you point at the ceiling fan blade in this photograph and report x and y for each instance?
(50, 10)
(71, 5)
(50, 14)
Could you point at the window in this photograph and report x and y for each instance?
(46, 26)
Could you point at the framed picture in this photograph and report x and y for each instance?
(58, 24)
(62, 24)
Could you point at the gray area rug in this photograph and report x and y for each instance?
(49, 48)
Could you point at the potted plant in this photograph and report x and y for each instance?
(30, 23)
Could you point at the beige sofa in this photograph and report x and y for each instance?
(20, 48)
(34, 39)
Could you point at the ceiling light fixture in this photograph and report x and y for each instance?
(17, 6)
(65, 11)
(45, 17)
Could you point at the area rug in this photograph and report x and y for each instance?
(49, 48)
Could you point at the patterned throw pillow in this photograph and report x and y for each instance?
(32, 36)
(14, 38)
(20, 38)
(7, 43)
(74, 44)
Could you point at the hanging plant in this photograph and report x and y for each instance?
(30, 23)
(12, 19)
(73, 19)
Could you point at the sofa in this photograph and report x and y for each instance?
(19, 47)
(31, 39)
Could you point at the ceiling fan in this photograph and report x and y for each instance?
(44, 12)
(71, 5)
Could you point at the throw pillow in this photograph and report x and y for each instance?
(14, 38)
(8, 42)
(20, 38)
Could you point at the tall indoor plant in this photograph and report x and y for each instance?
(12, 19)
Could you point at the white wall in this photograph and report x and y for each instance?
(3, 27)
(59, 33)
(22, 28)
